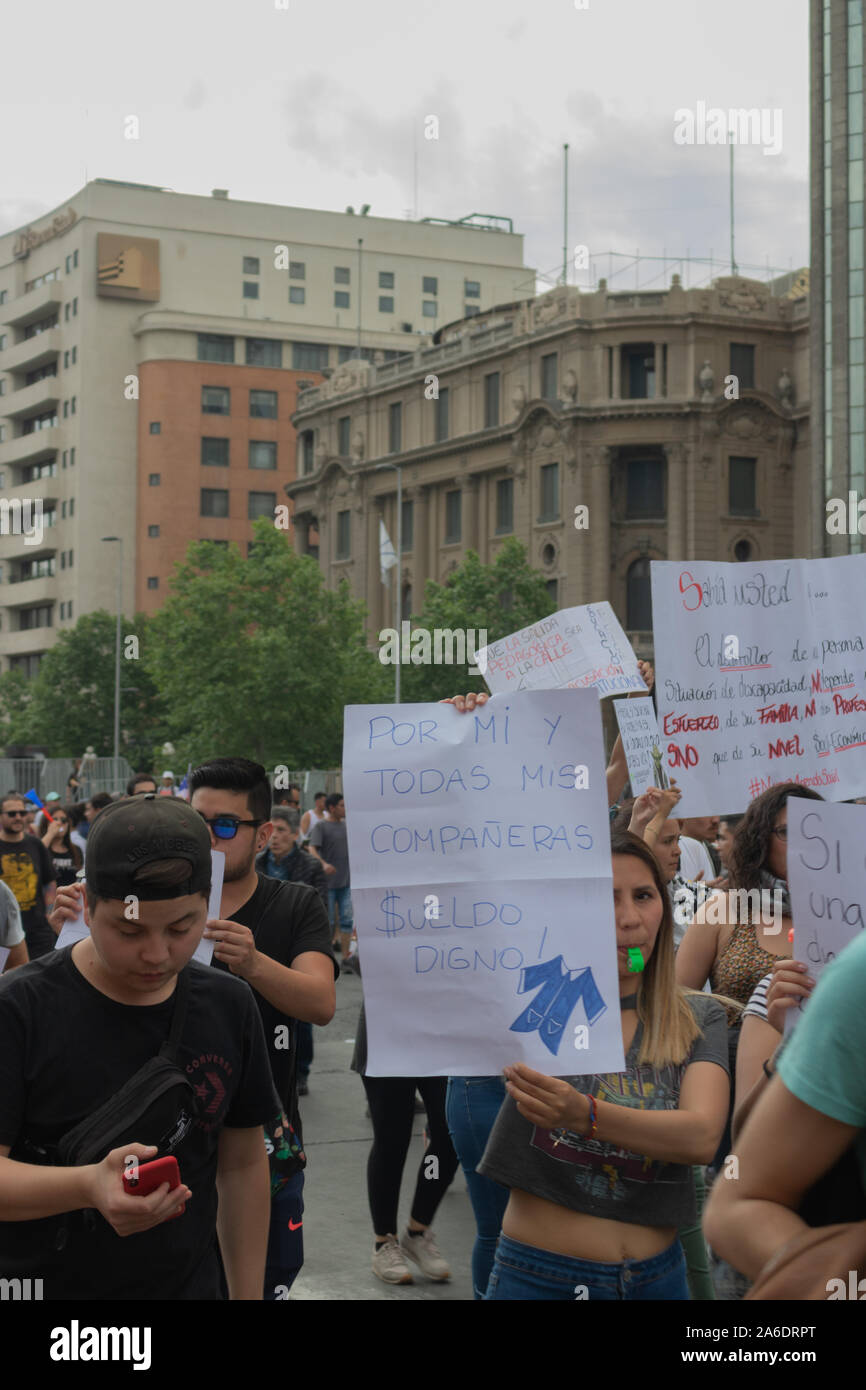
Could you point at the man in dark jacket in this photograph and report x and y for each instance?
(284, 858)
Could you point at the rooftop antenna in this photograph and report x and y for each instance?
(565, 214)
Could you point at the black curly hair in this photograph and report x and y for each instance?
(751, 847)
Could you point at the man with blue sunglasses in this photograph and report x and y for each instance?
(275, 935)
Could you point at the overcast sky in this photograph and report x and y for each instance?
(323, 104)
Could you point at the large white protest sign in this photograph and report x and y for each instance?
(761, 678)
(641, 742)
(573, 649)
(826, 880)
(479, 846)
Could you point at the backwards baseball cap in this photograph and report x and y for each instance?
(141, 830)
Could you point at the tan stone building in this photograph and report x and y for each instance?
(152, 345)
(678, 418)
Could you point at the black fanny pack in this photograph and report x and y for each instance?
(157, 1105)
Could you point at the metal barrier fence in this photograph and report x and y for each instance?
(44, 775)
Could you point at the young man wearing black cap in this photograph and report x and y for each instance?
(77, 1024)
(275, 935)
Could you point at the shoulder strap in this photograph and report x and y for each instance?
(178, 1018)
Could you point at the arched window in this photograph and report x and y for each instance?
(743, 550)
(638, 600)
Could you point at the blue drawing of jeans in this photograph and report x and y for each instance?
(553, 1005)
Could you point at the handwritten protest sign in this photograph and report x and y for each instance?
(479, 847)
(572, 649)
(641, 742)
(827, 881)
(761, 678)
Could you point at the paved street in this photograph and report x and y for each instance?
(338, 1238)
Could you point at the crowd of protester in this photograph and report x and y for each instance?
(603, 1187)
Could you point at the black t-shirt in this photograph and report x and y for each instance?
(66, 863)
(65, 1048)
(286, 920)
(26, 867)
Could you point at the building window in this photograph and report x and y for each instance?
(155, 428)
(429, 308)
(344, 425)
(346, 354)
(442, 414)
(453, 516)
(471, 311)
(637, 371)
(214, 452)
(2, 342)
(386, 279)
(74, 356)
(297, 294)
(63, 511)
(344, 535)
(153, 532)
(251, 289)
(263, 352)
(71, 458)
(342, 299)
(251, 265)
(430, 285)
(215, 347)
(407, 539)
(309, 357)
(263, 454)
(638, 599)
(342, 275)
(742, 487)
(63, 559)
(504, 506)
(261, 504)
(152, 582)
(549, 377)
(71, 558)
(491, 400)
(263, 405)
(35, 617)
(471, 289)
(214, 501)
(72, 506)
(549, 501)
(33, 330)
(742, 551)
(395, 427)
(297, 270)
(75, 307)
(552, 587)
(154, 479)
(645, 488)
(65, 409)
(742, 360)
(215, 400)
(307, 451)
(386, 304)
(66, 359)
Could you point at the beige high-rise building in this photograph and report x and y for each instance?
(678, 419)
(152, 346)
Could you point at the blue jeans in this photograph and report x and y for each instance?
(342, 898)
(521, 1273)
(471, 1107)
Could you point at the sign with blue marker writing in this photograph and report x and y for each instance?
(479, 846)
(575, 649)
(642, 743)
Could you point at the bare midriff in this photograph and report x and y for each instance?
(535, 1221)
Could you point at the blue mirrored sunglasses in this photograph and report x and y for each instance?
(226, 827)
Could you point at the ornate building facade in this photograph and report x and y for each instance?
(678, 420)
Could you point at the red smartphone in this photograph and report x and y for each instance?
(150, 1176)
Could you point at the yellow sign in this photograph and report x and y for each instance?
(127, 266)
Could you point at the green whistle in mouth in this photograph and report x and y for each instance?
(635, 959)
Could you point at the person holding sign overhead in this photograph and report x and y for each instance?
(599, 1167)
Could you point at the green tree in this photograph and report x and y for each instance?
(14, 702)
(255, 657)
(71, 699)
(501, 597)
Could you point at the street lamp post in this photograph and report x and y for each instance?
(119, 542)
(398, 468)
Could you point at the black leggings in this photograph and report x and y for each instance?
(392, 1110)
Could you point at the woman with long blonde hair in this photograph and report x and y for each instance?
(599, 1167)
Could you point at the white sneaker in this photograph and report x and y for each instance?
(388, 1263)
(425, 1253)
